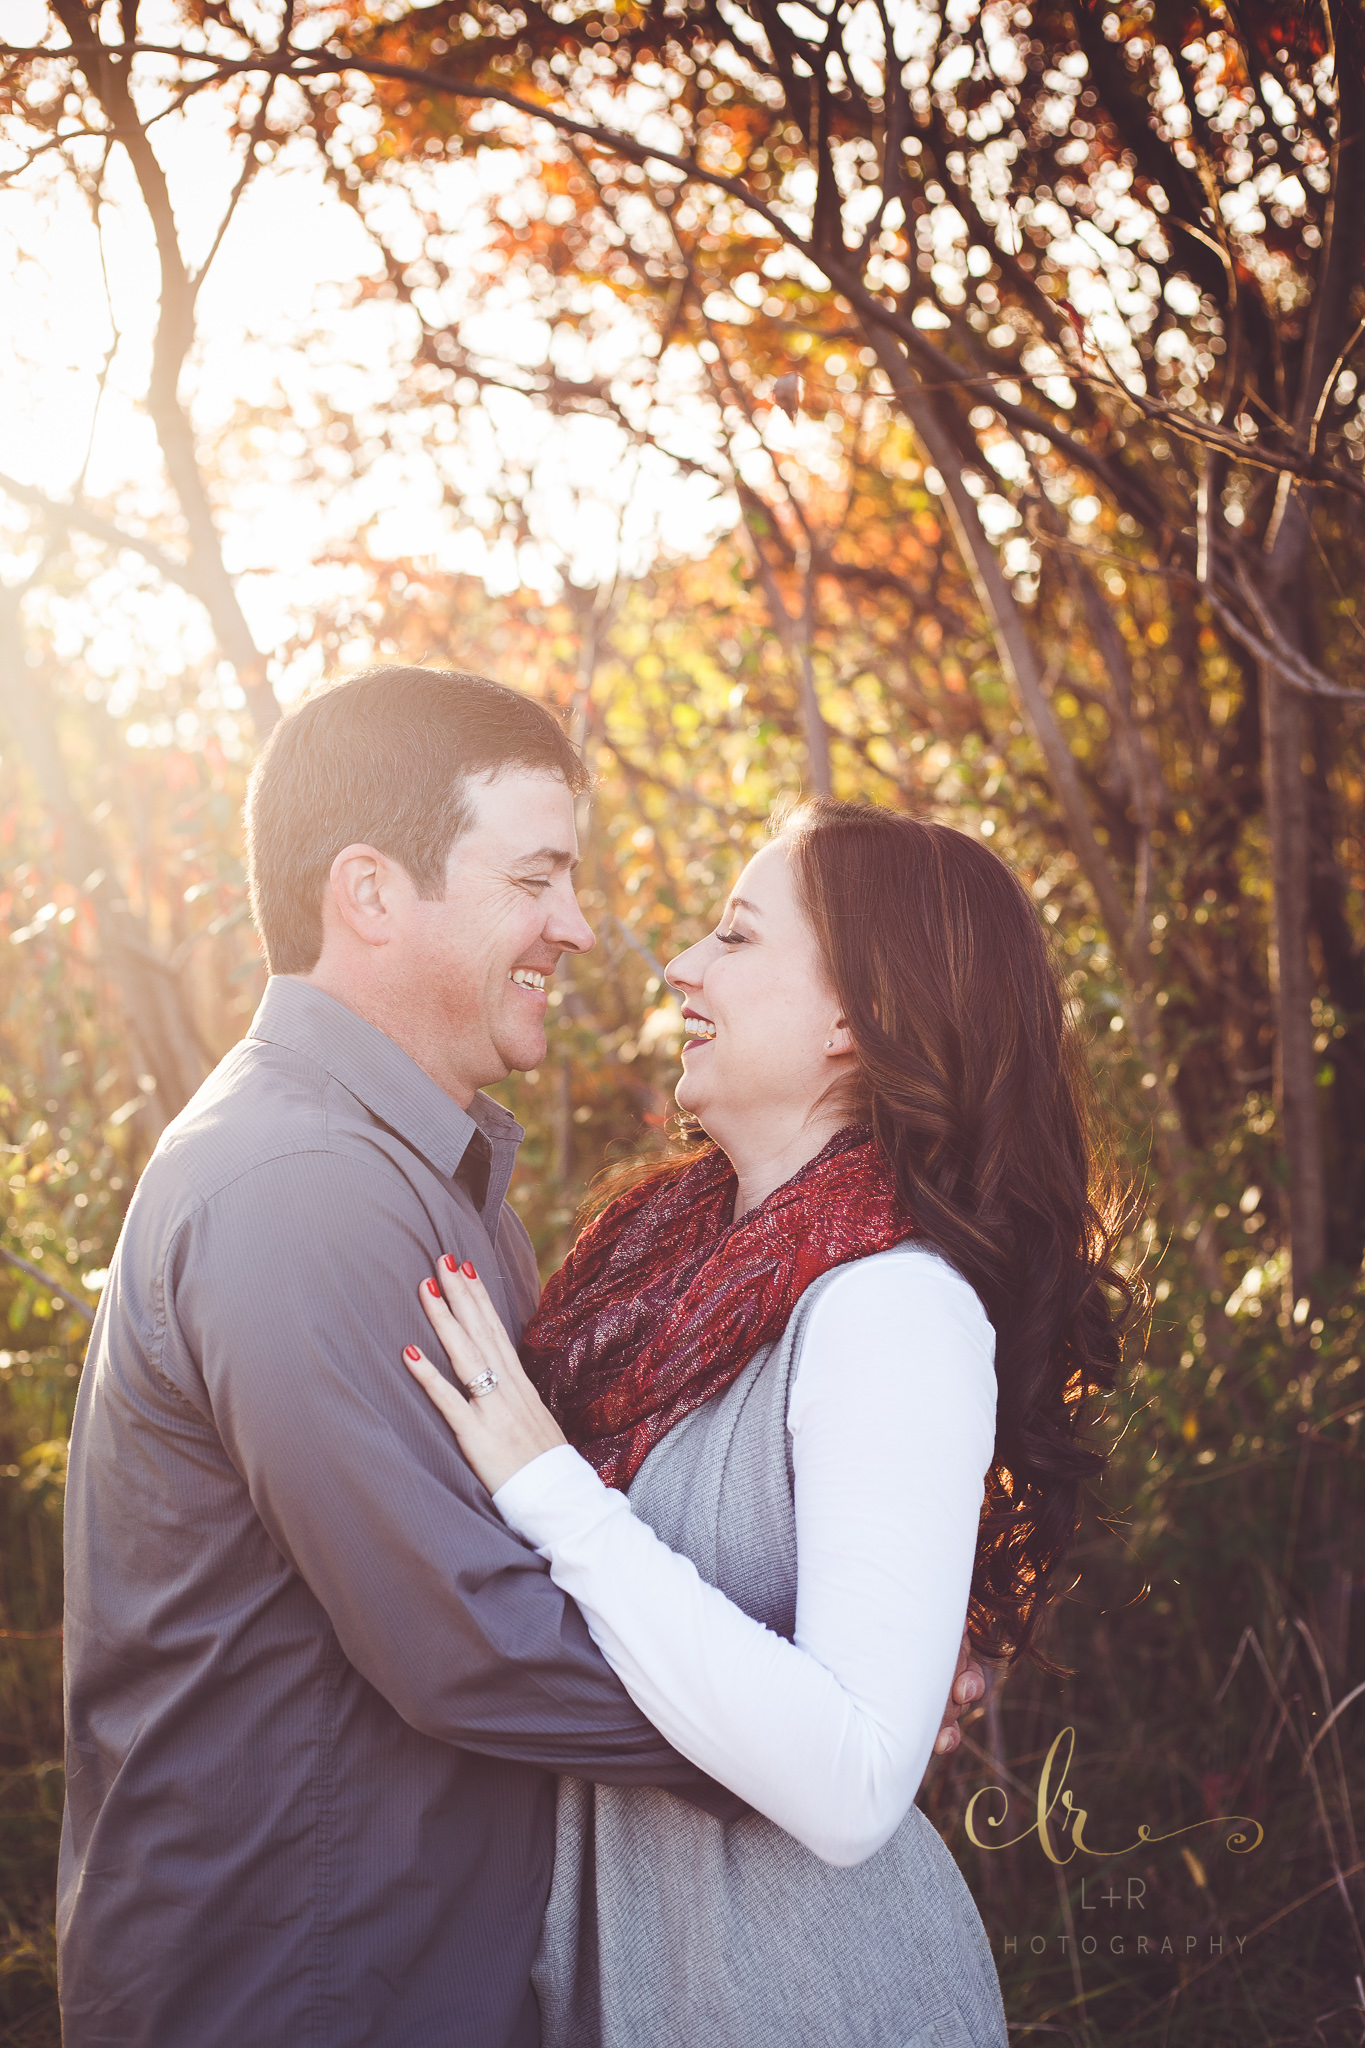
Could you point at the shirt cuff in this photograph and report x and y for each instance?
(554, 1497)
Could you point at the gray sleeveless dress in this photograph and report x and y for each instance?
(669, 1929)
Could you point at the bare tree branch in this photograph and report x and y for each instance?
(48, 1284)
(85, 521)
(108, 76)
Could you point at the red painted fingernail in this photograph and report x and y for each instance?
(451, 1263)
(411, 1351)
(432, 1288)
(468, 1271)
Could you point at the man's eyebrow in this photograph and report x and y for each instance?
(557, 856)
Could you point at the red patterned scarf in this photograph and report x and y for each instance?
(663, 1300)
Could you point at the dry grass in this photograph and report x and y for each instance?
(1215, 1672)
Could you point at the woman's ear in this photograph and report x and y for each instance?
(838, 1040)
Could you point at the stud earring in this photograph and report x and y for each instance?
(829, 1043)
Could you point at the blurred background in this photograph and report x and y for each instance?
(954, 406)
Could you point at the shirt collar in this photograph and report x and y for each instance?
(387, 1080)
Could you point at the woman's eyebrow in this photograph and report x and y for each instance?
(743, 903)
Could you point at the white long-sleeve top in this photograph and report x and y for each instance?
(892, 1420)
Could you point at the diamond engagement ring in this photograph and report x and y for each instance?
(482, 1383)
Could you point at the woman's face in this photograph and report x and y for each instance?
(765, 1039)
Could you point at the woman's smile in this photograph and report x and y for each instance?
(700, 1030)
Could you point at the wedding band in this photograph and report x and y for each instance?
(482, 1383)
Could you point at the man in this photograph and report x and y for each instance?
(315, 1688)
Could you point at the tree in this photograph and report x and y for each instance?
(166, 1046)
(1106, 255)
(1102, 263)
(1008, 388)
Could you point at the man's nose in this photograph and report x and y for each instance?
(570, 929)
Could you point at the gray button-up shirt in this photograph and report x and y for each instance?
(314, 1685)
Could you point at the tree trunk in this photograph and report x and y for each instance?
(813, 719)
(1283, 726)
(1292, 981)
(1020, 664)
(796, 645)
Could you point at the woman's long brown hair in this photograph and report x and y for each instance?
(974, 1080)
(976, 1084)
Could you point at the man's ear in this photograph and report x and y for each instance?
(367, 891)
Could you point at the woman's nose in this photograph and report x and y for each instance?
(678, 972)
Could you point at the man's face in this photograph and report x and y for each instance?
(478, 962)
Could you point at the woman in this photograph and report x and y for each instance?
(788, 1349)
